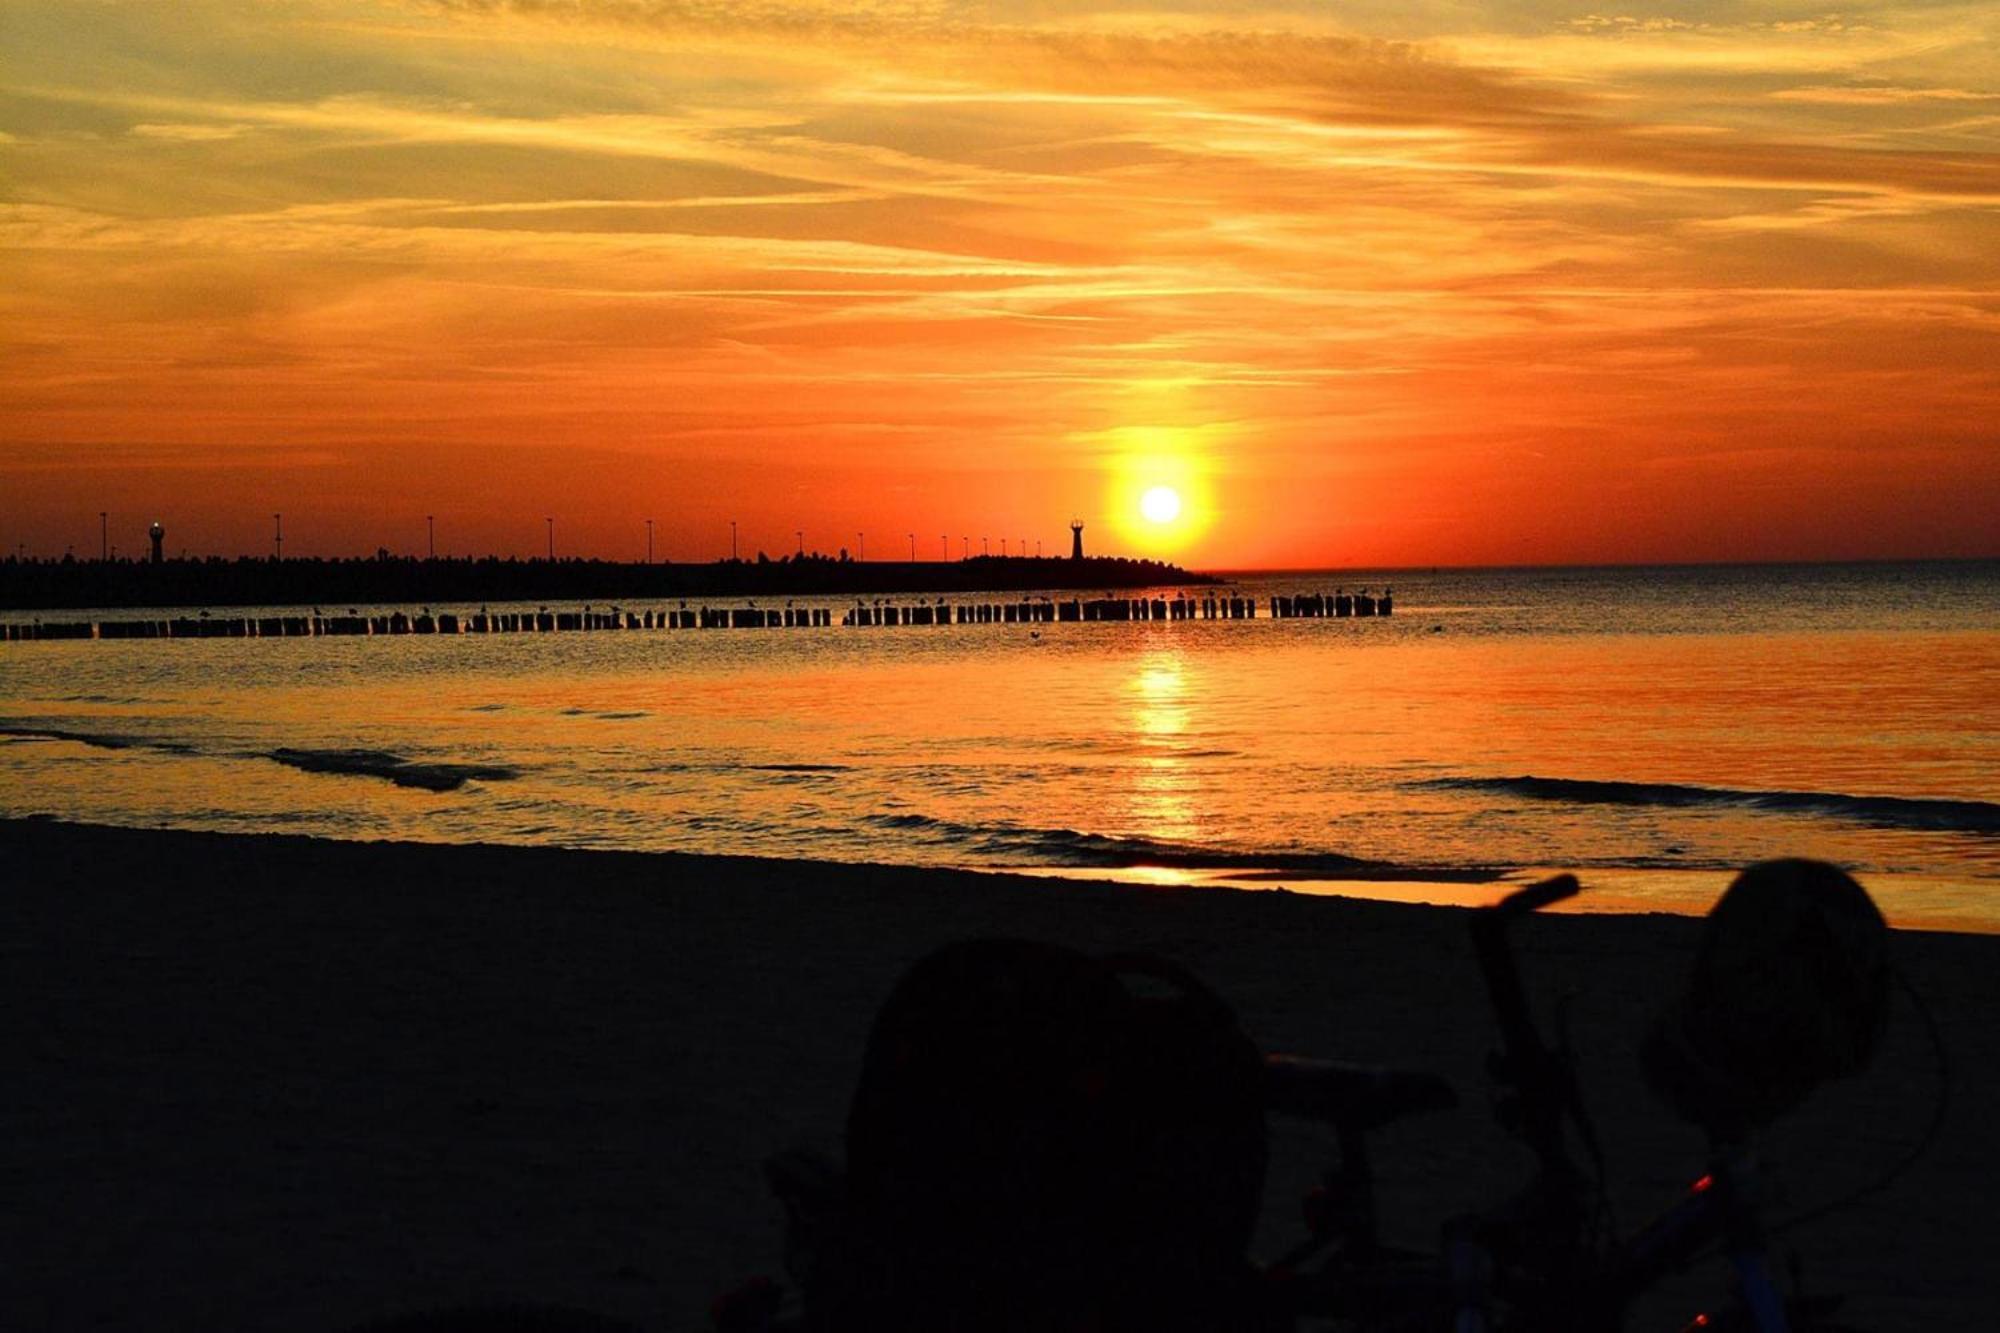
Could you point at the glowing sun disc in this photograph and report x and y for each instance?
(1162, 504)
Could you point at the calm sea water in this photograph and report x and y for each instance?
(1651, 728)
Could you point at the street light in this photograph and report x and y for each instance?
(431, 534)
(913, 548)
(944, 548)
(861, 545)
(552, 538)
(732, 539)
(800, 534)
(649, 541)
(278, 534)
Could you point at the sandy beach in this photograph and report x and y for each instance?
(272, 1082)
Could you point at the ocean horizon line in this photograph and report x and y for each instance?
(1870, 562)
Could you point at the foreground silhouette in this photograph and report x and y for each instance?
(1045, 1140)
(344, 1080)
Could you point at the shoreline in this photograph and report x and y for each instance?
(1904, 897)
(1608, 890)
(286, 1081)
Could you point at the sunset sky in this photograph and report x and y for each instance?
(1364, 283)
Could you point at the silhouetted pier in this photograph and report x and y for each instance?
(386, 580)
(1207, 604)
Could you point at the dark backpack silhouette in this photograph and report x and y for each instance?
(1041, 1139)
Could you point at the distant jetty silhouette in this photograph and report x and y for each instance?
(1024, 609)
(31, 585)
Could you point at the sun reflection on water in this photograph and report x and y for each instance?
(1162, 804)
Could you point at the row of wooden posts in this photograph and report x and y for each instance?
(1178, 607)
(1027, 611)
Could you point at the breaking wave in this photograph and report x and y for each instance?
(101, 740)
(97, 739)
(1903, 812)
(1019, 845)
(382, 764)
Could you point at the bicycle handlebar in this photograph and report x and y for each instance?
(1537, 896)
(1526, 1063)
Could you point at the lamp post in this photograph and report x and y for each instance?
(944, 548)
(552, 538)
(431, 534)
(913, 548)
(649, 541)
(278, 534)
(732, 539)
(801, 535)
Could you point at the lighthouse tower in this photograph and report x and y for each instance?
(158, 534)
(1075, 539)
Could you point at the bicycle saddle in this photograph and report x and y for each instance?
(1351, 1096)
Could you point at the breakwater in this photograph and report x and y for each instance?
(27, 585)
(1182, 606)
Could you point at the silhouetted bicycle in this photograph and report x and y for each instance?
(1789, 989)
(1544, 1259)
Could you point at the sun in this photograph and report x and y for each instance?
(1159, 496)
(1161, 504)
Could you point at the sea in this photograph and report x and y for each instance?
(1650, 729)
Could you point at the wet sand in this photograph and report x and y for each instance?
(267, 1082)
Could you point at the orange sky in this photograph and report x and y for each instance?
(1370, 283)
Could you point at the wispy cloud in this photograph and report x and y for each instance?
(189, 133)
(1879, 95)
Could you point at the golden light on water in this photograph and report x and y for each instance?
(991, 747)
(1161, 795)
